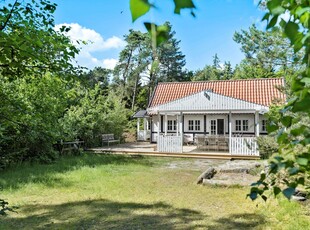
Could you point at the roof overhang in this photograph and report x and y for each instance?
(207, 102)
(140, 114)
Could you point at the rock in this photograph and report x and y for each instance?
(299, 195)
(206, 175)
(298, 198)
(235, 170)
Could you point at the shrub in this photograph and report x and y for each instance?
(267, 145)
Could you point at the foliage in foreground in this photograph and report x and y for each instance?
(290, 169)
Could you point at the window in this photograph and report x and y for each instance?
(213, 127)
(238, 125)
(197, 125)
(190, 125)
(264, 125)
(172, 125)
(245, 125)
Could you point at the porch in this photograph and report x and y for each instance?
(209, 121)
(233, 145)
(147, 149)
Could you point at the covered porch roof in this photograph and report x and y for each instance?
(140, 114)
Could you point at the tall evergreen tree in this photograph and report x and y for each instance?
(267, 54)
(140, 65)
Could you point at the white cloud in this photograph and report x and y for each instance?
(94, 43)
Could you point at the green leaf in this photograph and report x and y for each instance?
(287, 121)
(272, 127)
(138, 8)
(291, 31)
(288, 192)
(293, 171)
(302, 161)
(276, 190)
(182, 4)
(272, 22)
(158, 32)
(253, 195)
(306, 80)
(275, 7)
(266, 17)
(264, 198)
(282, 23)
(301, 10)
(301, 180)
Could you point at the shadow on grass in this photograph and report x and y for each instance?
(104, 214)
(107, 214)
(239, 221)
(46, 174)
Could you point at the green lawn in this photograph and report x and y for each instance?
(120, 192)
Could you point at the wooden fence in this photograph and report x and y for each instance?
(243, 146)
(170, 144)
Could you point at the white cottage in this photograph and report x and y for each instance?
(218, 116)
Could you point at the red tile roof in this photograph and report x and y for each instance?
(259, 91)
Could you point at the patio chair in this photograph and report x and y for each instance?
(200, 141)
(222, 143)
(212, 143)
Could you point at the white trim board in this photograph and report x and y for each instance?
(207, 101)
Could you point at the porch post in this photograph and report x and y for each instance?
(166, 124)
(177, 124)
(256, 124)
(138, 128)
(158, 127)
(181, 130)
(144, 124)
(229, 126)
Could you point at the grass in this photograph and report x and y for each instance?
(122, 192)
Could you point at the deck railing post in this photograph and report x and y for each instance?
(166, 124)
(230, 143)
(256, 124)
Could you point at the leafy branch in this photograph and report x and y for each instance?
(289, 170)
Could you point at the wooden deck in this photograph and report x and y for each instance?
(145, 148)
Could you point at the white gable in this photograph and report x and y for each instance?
(207, 101)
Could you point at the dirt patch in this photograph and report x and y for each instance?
(237, 172)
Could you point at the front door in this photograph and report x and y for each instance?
(220, 126)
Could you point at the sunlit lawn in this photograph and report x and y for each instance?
(120, 192)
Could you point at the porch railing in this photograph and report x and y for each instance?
(169, 144)
(243, 146)
(144, 135)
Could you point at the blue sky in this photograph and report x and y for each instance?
(105, 22)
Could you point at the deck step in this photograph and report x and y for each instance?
(183, 155)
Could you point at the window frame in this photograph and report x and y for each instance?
(171, 125)
(264, 125)
(245, 125)
(197, 125)
(238, 125)
(191, 125)
(213, 127)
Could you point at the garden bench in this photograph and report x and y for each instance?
(108, 138)
(70, 145)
